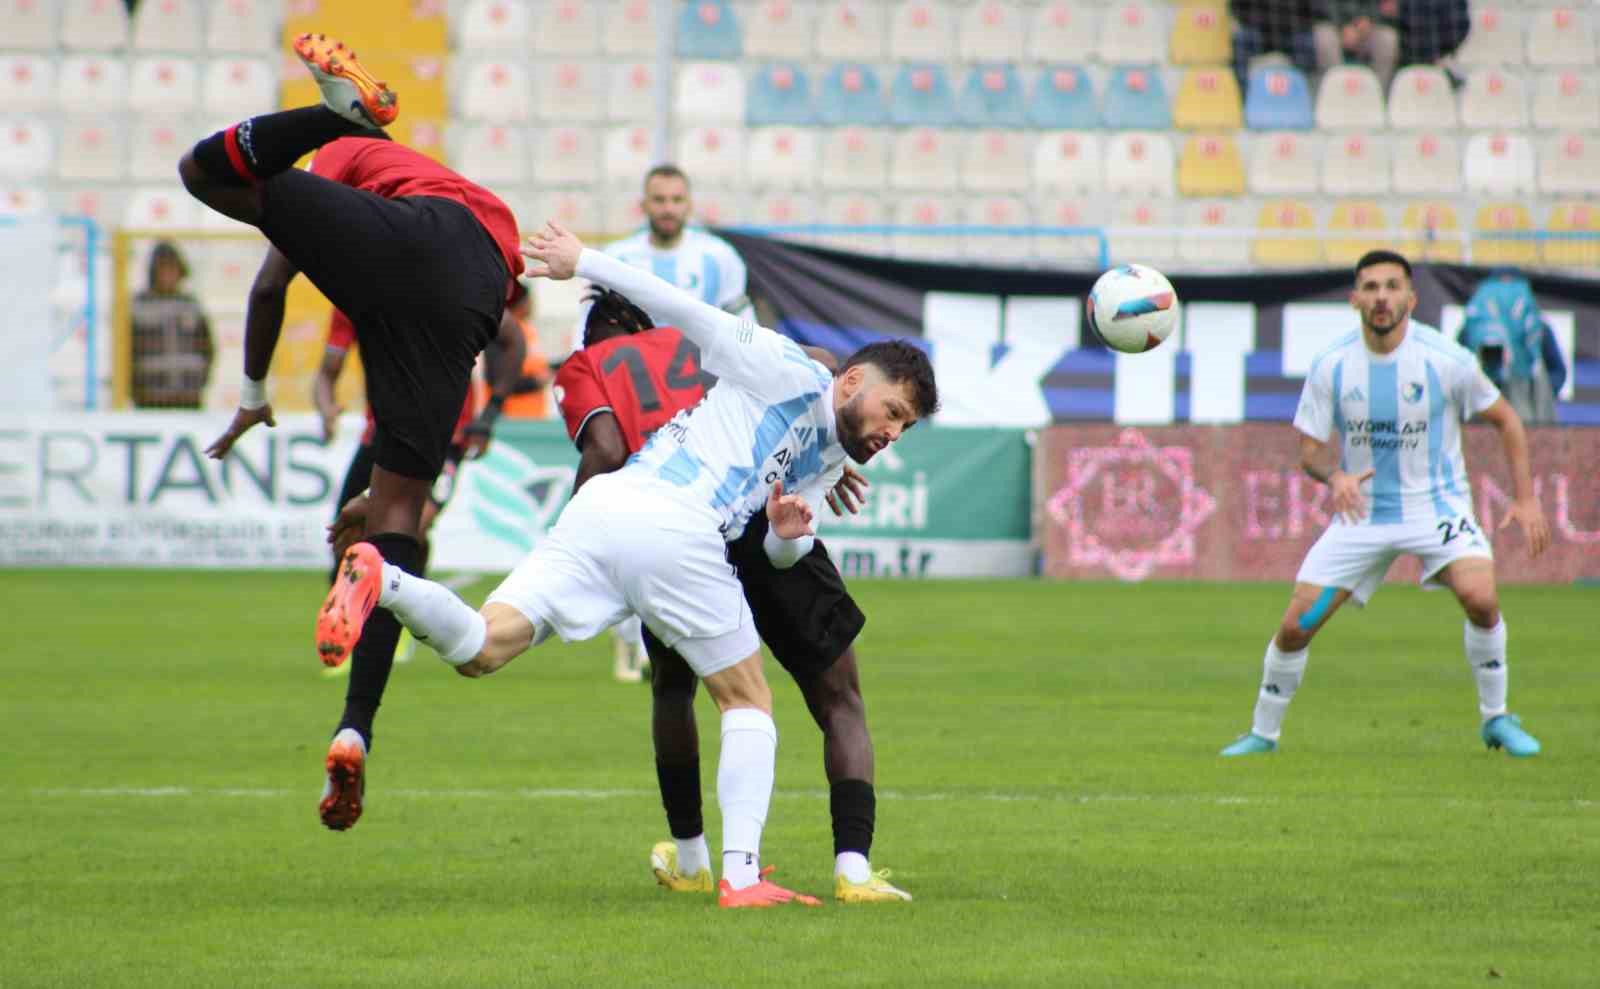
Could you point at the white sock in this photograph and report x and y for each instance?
(1280, 678)
(434, 614)
(853, 866)
(1486, 654)
(744, 790)
(693, 855)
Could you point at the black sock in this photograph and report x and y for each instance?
(680, 795)
(373, 656)
(261, 147)
(855, 810)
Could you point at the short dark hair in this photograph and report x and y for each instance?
(165, 250)
(1382, 256)
(902, 362)
(610, 315)
(665, 170)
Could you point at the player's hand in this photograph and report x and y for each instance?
(788, 515)
(554, 251)
(330, 423)
(242, 421)
(1346, 488)
(850, 493)
(350, 526)
(1530, 517)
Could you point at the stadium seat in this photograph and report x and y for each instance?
(1139, 162)
(1083, 213)
(924, 158)
(1132, 33)
(1421, 98)
(167, 26)
(249, 26)
(1494, 98)
(780, 94)
(225, 272)
(1427, 164)
(572, 91)
(92, 150)
(783, 209)
(566, 155)
(850, 95)
(922, 31)
(1495, 37)
(1071, 161)
(1349, 97)
(407, 26)
(167, 207)
(1062, 32)
(162, 85)
(921, 97)
(100, 203)
(1205, 237)
(1581, 248)
(620, 212)
(1278, 98)
(27, 82)
(1136, 99)
(930, 213)
(155, 143)
(1210, 165)
(631, 94)
(709, 92)
(717, 205)
(23, 200)
(1063, 99)
(708, 29)
(851, 30)
(782, 158)
(629, 27)
(996, 161)
(93, 25)
(1355, 165)
(1276, 243)
(1499, 164)
(30, 26)
(1499, 219)
(237, 87)
(1284, 163)
(1208, 99)
(1567, 100)
(779, 29)
(92, 84)
(855, 210)
(855, 158)
(1561, 36)
(991, 31)
(495, 25)
(421, 134)
(576, 209)
(1568, 164)
(497, 90)
(992, 97)
(627, 154)
(1004, 212)
(1201, 34)
(712, 153)
(492, 154)
(569, 29)
(1354, 229)
(1143, 231)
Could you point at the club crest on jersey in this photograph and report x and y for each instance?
(1412, 392)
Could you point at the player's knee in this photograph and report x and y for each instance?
(192, 175)
(1482, 606)
(1295, 634)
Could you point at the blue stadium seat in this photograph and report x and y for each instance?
(921, 97)
(780, 94)
(708, 29)
(992, 97)
(1278, 98)
(850, 95)
(1136, 99)
(1063, 99)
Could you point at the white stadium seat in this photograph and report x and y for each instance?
(709, 92)
(1568, 164)
(782, 158)
(1421, 98)
(567, 28)
(631, 94)
(629, 28)
(924, 158)
(237, 86)
(930, 213)
(855, 210)
(1495, 37)
(779, 29)
(1494, 97)
(168, 26)
(27, 148)
(855, 158)
(495, 25)
(94, 25)
(30, 25)
(92, 84)
(572, 91)
(712, 152)
(92, 150)
(164, 84)
(850, 30)
(1084, 212)
(249, 26)
(1069, 161)
(996, 161)
(491, 153)
(496, 89)
(566, 155)
(1499, 164)
(155, 143)
(1427, 164)
(628, 153)
(1004, 212)
(161, 208)
(1349, 97)
(27, 82)
(1132, 33)
(1140, 161)
(922, 31)
(1062, 32)
(1567, 100)
(991, 31)
(1561, 35)
(1355, 165)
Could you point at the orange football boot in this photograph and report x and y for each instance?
(350, 600)
(765, 893)
(347, 88)
(346, 783)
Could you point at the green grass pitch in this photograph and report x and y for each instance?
(1048, 781)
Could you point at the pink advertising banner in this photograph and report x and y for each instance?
(1230, 503)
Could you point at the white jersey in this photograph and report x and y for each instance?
(770, 416)
(702, 264)
(1399, 414)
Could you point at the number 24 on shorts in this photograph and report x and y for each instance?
(1452, 528)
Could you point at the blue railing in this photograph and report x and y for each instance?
(91, 311)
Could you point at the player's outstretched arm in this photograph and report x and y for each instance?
(1525, 508)
(263, 321)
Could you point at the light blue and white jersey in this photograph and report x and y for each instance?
(770, 417)
(702, 264)
(1399, 414)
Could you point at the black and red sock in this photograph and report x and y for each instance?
(255, 150)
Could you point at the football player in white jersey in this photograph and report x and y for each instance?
(1380, 422)
(650, 539)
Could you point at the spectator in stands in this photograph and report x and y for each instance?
(1515, 345)
(1286, 26)
(530, 399)
(1362, 30)
(1431, 31)
(172, 348)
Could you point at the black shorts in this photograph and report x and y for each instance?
(358, 477)
(425, 286)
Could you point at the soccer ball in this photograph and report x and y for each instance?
(1132, 308)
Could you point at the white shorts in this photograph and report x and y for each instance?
(1356, 557)
(621, 546)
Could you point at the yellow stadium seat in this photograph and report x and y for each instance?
(372, 25)
(1571, 218)
(1293, 252)
(1208, 99)
(1354, 229)
(1210, 166)
(1201, 34)
(1499, 217)
(1432, 232)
